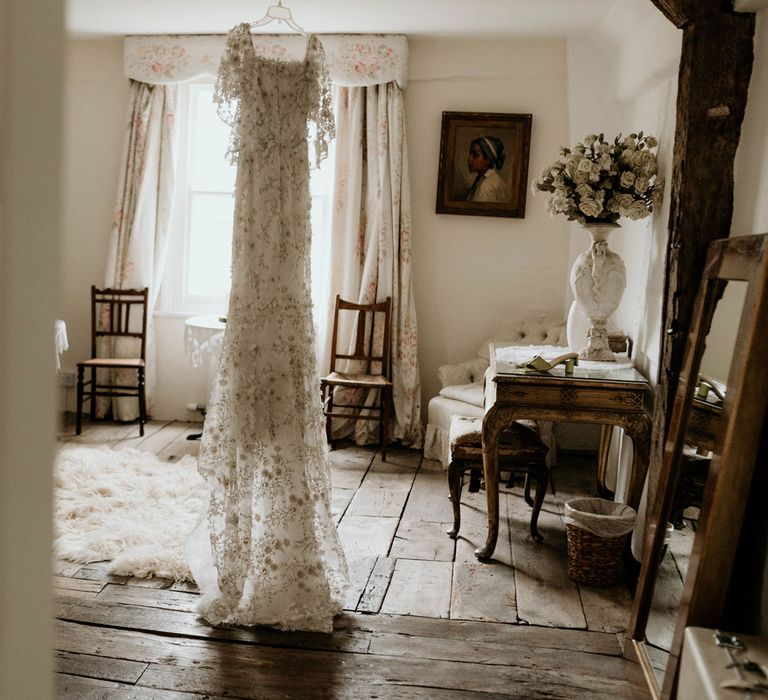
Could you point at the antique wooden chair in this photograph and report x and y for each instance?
(111, 319)
(362, 370)
(521, 452)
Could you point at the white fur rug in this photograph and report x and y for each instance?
(126, 506)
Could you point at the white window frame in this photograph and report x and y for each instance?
(173, 299)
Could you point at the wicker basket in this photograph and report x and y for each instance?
(594, 560)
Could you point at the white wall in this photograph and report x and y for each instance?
(472, 273)
(750, 206)
(723, 334)
(178, 383)
(30, 141)
(96, 100)
(616, 85)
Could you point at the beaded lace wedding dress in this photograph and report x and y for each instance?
(267, 551)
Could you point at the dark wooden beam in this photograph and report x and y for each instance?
(674, 10)
(715, 67)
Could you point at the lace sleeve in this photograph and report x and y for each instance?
(320, 112)
(229, 86)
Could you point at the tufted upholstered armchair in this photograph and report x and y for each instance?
(462, 385)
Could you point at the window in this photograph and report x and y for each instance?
(197, 277)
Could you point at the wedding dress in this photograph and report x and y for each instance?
(267, 551)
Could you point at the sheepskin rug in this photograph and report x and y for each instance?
(126, 506)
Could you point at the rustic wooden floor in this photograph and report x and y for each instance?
(424, 618)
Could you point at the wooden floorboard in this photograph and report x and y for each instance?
(214, 666)
(424, 618)
(377, 585)
(420, 588)
(159, 440)
(85, 688)
(545, 594)
(360, 568)
(457, 630)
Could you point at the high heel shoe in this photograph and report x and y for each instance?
(704, 386)
(538, 364)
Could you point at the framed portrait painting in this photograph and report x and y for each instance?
(483, 167)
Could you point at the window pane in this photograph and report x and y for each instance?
(209, 139)
(209, 246)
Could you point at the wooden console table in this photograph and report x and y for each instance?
(603, 396)
(703, 424)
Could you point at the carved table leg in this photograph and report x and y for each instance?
(491, 433)
(455, 470)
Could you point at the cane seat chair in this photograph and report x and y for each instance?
(521, 453)
(115, 314)
(361, 375)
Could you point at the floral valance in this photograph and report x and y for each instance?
(353, 59)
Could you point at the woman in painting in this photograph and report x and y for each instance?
(486, 158)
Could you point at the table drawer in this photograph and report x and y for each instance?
(574, 397)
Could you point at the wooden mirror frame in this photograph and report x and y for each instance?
(723, 506)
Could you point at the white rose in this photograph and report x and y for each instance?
(641, 184)
(584, 191)
(580, 178)
(651, 142)
(623, 202)
(606, 161)
(558, 203)
(627, 178)
(628, 142)
(572, 162)
(585, 165)
(637, 210)
(627, 157)
(590, 207)
(647, 162)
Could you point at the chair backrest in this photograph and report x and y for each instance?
(111, 315)
(369, 336)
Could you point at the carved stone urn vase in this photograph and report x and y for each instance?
(598, 279)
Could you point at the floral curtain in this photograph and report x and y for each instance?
(371, 237)
(139, 237)
(352, 59)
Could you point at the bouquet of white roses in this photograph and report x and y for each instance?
(598, 182)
